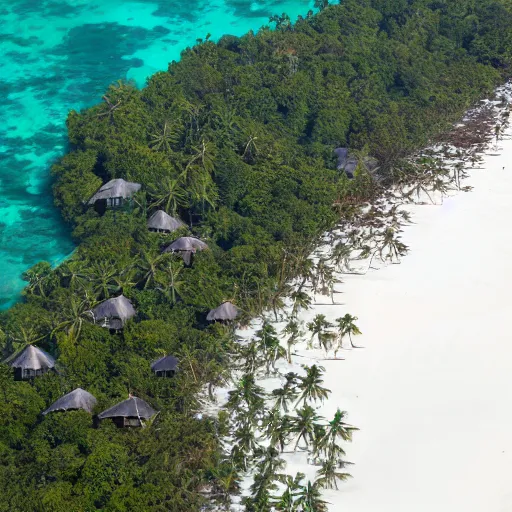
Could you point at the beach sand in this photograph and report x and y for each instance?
(431, 390)
(431, 386)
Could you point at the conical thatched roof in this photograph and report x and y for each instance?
(118, 307)
(115, 188)
(32, 358)
(225, 312)
(163, 221)
(165, 364)
(186, 243)
(348, 164)
(77, 399)
(133, 407)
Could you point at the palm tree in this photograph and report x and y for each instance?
(324, 279)
(341, 256)
(392, 244)
(336, 430)
(102, 276)
(164, 139)
(265, 478)
(244, 445)
(311, 385)
(41, 279)
(75, 310)
(303, 425)
(20, 337)
(124, 280)
(226, 481)
(74, 274)
(326, 340)
(309, 498)
(268, 342)
(278, 432)
(301, 300)
(249, 396)
(252, 358)
(287, 394)
(329, 475)
(292, 329)
(250, 148)
(149, 266)
(346, 326)
(286, 502)
(170, 279)
(227, 123)
(317, 326)
(169, 195)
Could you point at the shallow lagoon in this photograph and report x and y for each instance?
(61, 55)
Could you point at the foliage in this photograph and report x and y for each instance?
(237, 139)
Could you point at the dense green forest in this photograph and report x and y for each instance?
(236, 139)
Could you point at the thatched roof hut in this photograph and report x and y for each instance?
(186, 246)
(348, 164)
(114, 191)
(30, 362)
(77, 399)
(226, 312)
(113, 313)
(161, 222)
(129, 412)
(165, 366)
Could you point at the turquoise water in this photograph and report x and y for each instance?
(60, 55)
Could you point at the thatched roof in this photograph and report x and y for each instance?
(117, 307)
(342, 154)
(77, 399)
(163, 221)
(225, 312)
(165, 364)
(186, 243)
(133, 407)
(32, 358)
(115, 188)
(349, 163)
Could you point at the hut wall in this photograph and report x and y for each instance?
(165, 373)
(122, 422)
(113, 202)
(26, 374)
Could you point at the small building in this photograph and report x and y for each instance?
(226, 312)
(113, 313)
(165, 366)
(129, 413)
(186, 246)
(113, 193)
(31, 362)
(349, 164)
(161, 222)
(77, 399)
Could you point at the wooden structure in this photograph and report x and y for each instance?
(161, 222)
(186, 246)
(226, 312)
(348, 164)
(131, 412)
(113, 313)
(77, 399)
(113, 194)
(31, 362)
(165, 366)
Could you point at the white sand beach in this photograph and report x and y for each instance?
(431, 386)
(431, 390)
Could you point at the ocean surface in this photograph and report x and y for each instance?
(60, 55)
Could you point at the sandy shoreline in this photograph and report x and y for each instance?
(429, 390)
